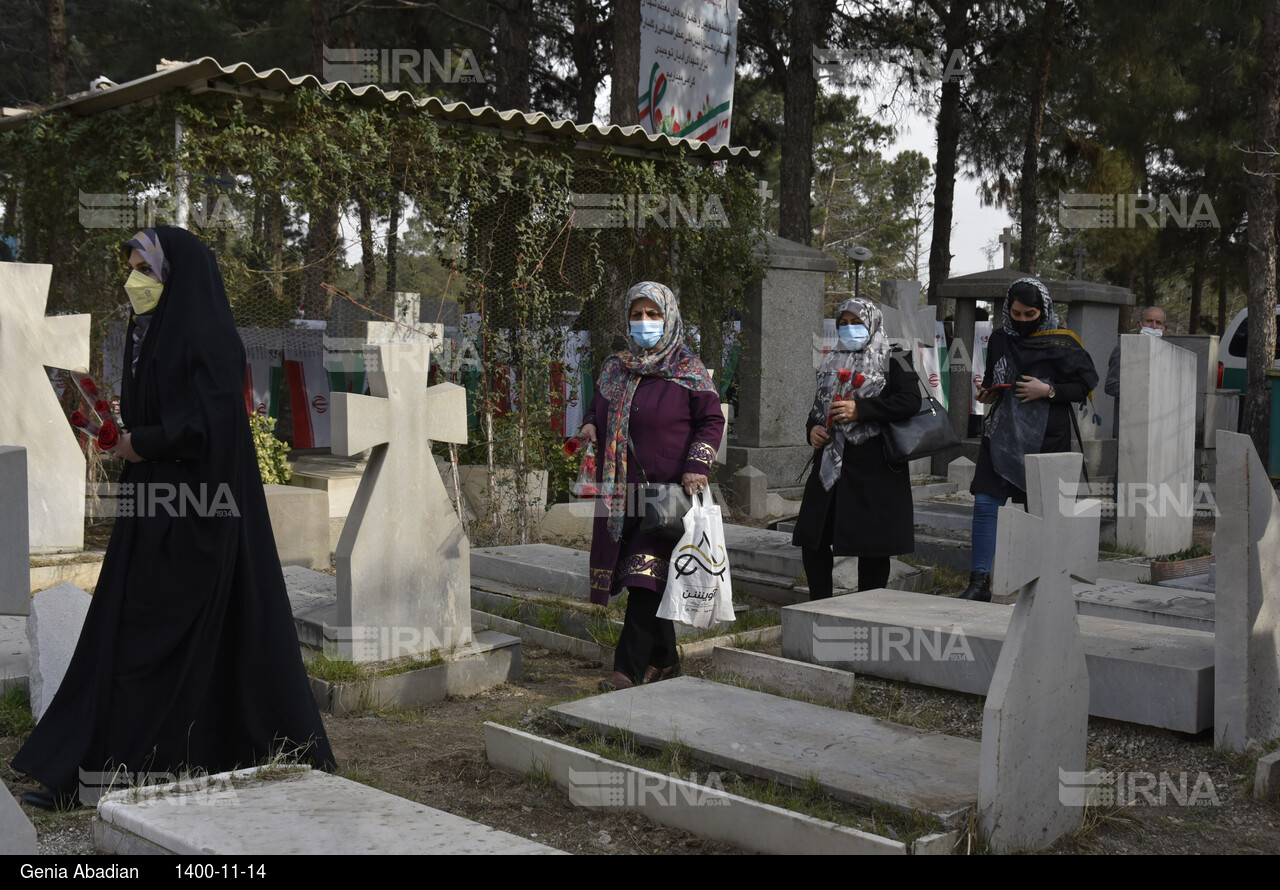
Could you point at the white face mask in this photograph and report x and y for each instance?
(1152, 332)
(144, 292)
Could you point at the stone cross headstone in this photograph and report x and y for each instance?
(15, 536)
(1156, 461)
(32, 416)
(404, 573)
(1036, 719)
(1246, 671)
(1006, 243)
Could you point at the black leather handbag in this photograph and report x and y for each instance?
(661, 505)
(924, 434)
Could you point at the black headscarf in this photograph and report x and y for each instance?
(1016, 429)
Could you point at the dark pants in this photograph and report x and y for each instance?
(873, 572)
(646, 639)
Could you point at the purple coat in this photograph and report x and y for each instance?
(673, 431)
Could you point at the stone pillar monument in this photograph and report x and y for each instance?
(781, 346)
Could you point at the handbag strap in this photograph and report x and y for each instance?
(644, 480)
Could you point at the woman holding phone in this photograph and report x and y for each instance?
(1035, 374)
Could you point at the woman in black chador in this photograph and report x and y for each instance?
(188, 658)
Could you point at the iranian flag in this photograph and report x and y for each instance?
(262, 379)
(308, 397)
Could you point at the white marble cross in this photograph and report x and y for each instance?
(1006, 242)
(1246, 663)
(32, 416)
(404, 568)
(1036, 719)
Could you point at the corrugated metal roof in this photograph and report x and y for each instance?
(208, 74)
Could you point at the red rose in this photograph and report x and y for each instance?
(858, 380)
(572, 446)
(88, 386)
(78, 419)
(108, 436)
(844, 374)
(102, 408)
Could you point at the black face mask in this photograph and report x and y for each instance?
(1025, 328)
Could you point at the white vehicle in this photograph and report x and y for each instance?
(1234, 348)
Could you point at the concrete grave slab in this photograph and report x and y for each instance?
(1148, 603)
(299, 524)
(301, 812)
(53, 628)
(1247, 546)
(1035, 722)
(793, 679)
(558, 571)
(595, 781)
(853, 757)
(402, 559)
(335, 475)
(30, 340)
(13, 652)
(17, 834)
(1141, 673)
(15, 534)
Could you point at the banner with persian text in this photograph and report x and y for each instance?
(688, 49)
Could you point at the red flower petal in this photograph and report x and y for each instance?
(89, 386)
(844, 374)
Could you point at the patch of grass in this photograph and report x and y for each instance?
(1120, 551)
(15, 713)
(1197, 549)
(550, 617)
(538, 777)
(333, 669)
(510, 610)
(605, 632)
(358, 773)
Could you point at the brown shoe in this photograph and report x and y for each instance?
(654, 675)
(615, 681)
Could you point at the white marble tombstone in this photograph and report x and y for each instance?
(1246, 669)
(1036, 719)
(1155, 474)
(15, 562)
(404, 576)
(53, 629)
(32, 416)
(17, 834)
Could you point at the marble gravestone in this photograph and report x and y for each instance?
(15, 562)
(1156, 463)
(404, 579)
(33, 419)
(1246, 700)
(1035, 724)
(53, 629)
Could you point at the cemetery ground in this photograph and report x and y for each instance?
(435, 755)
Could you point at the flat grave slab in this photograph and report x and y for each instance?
(558, 571)
(1147, 603)
(854, 757)
(307, 812)
(1141, 673)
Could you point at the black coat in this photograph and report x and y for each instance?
(188, 657)
(868, 512)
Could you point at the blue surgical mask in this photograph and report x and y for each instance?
(647, 333)
(854, 336)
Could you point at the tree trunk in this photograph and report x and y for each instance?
(55, 16)
(1224, 241)
(809, 21)
(273, 244)
(393, 248)
(1262, 234)
(944, 188)
(586, 30)
(1197, 287)
(512, 44)
(624, 92)
(320, 36)
(1031, 151)
(322, 250)
(367, 258)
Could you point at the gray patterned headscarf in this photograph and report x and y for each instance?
(148, 244)
(872, 362)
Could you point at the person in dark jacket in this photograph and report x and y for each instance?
(188, 658)
(1035, 374)
(657, 406)
(855, 502)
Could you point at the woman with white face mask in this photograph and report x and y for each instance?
(655, 405)
(856, 503)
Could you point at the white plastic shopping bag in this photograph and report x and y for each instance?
(699, 591)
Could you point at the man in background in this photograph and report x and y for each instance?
(1152, 324)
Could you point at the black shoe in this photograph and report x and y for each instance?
(44, 799)
(979, 589)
